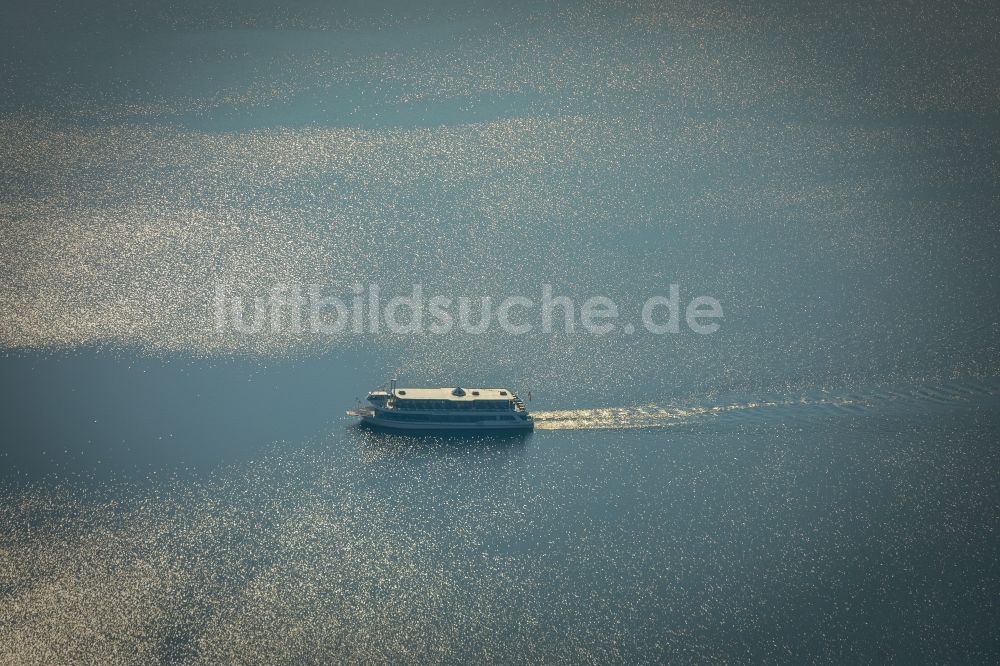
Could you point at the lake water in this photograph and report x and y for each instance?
(815, 481)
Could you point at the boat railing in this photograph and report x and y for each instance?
(393, 404)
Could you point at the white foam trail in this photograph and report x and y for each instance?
(920, 398)
(653, 416)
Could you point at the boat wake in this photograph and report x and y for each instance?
(802, 408)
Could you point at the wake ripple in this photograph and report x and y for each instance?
(808, 407)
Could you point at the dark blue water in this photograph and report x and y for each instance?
(816, 481)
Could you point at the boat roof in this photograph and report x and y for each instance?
(454, 393)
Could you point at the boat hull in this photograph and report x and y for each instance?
(429, 427)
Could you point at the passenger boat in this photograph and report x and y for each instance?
(436, 409)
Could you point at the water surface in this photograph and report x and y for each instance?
(814, 482)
